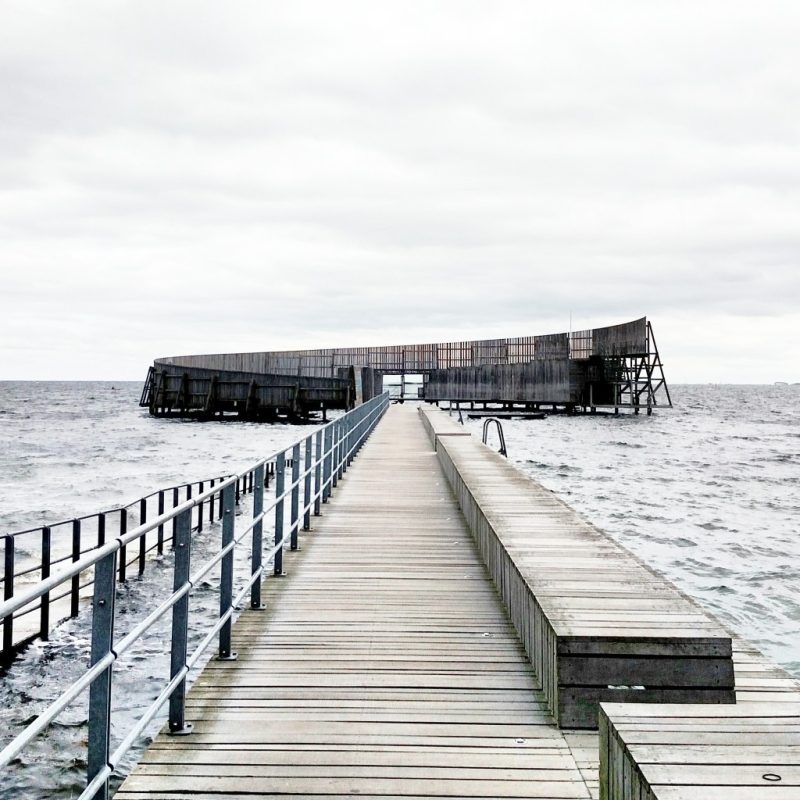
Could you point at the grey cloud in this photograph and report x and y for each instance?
(189, 177)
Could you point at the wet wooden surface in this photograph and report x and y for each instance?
(384, 665)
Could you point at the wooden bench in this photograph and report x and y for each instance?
(747, 751)
(597, 624)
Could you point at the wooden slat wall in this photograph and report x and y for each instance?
(411, 358)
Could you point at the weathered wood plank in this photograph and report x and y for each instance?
(384, 665)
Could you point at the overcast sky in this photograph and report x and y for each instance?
(188, 177)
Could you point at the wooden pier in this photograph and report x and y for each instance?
(384, 663)
(447, 628)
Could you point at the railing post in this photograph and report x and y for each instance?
(143, 537)
(200, 507)
(326, 469)
(175, 501)
(345, 440)
(340, 449)
(101, 529)
(307, 466)
(258, 538)
(160, 544)
(123, 551)
(8, 593)
(182, 543)
(44, 610)
(75, 589)
(295, 496)
(105, 574)
(280, 470)
(211, 503)
(317, 471)
(335, 455)
(226, 575)
(220, 501)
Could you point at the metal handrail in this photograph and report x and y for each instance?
(334, 446)
(503, 451)
(46, 561)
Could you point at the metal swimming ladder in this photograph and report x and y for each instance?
(503, 451)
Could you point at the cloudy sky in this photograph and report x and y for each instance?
(189, 177)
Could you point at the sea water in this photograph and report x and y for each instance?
(707, 493)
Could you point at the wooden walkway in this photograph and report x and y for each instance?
(384, 666)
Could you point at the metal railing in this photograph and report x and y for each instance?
(47, 547)
(486, 423)
(326, 454)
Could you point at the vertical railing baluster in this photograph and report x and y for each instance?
(226, 575)
(340, 452)
(238, 491)
(75, 588)
(295, 529)
(219, 504)
(189, 497)
(44, 609)
(317, 472)
(105, 573)
(160, 540)
(200, 507)
(143, 537)
(182, 543)
(211, 503)
(123, 551)
(326, 467)
(335, 460)
(101, 529)
(280, 470)
(258, 537)
(175, 501)
(307, 469)
(8, 593)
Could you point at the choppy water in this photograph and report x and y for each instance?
(706, 493)
(72, 448)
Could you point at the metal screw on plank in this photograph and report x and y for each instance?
(105, 573)
(180, 623)
(226, 576)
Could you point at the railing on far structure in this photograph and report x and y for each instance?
(326, 453)
(47, 547)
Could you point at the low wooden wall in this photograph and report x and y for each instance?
(597, 624)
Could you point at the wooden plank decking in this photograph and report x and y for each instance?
(384, 665)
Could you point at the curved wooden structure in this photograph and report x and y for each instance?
(613, 367)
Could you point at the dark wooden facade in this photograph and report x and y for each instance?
(616, 366)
